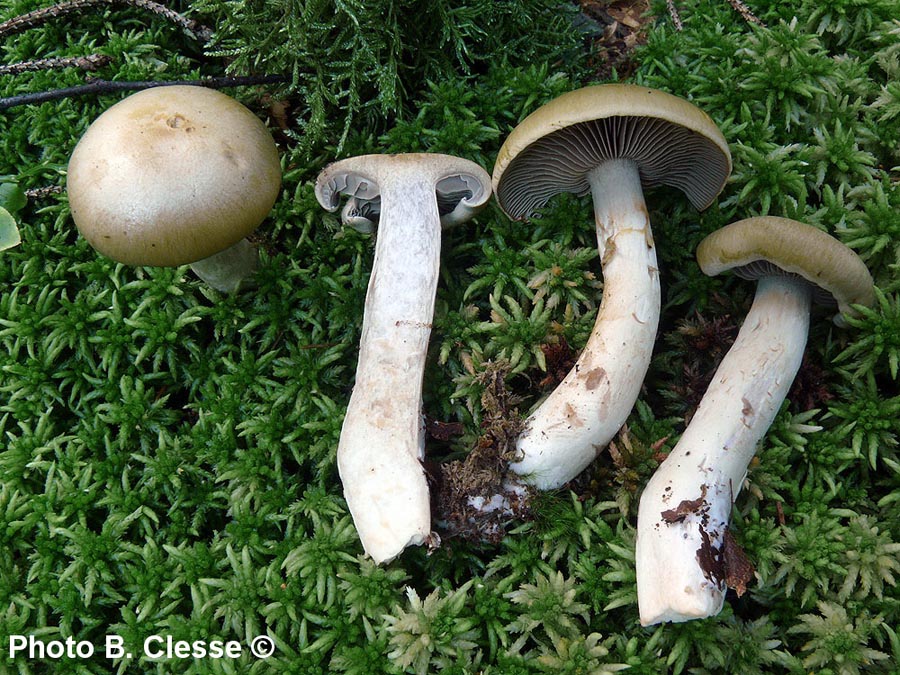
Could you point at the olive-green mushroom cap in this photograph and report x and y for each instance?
(552, 150)
(752, 246)
(172, 175)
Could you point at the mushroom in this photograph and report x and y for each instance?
(682, 543)
(382, 440)
(172, 176)
(609, 140)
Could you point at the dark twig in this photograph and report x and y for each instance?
(40, 16)
(106, 86)
(738, 5)
(745, 12)
(43, 192)
(673, 12)
(91, 62)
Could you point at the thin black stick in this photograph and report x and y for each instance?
(90, 62)
(107, 86)
(40, 16)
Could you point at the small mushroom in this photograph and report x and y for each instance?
(609, 140)
(382, 442)
(176, 175)
(681, 553)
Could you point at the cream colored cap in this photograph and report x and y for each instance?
(551, 151)
(172, 175)
(750, 246)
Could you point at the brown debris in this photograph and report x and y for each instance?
(685, 508)
(728, 564)
(779, 513)
(810, 388)
(623, 24)
(702, 344)
(482, 475)
(710, 559)
(739, 570)
(443, 431)
(559, 358)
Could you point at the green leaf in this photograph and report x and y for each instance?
(12, 197)
(9, 233)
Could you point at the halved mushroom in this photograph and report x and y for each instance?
(382, 440)
(176, 175)
(686, 506)
(609, 140)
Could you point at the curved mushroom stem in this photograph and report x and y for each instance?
(581, 416)
(686, 506)
(226, 271)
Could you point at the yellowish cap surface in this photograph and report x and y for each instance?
(172, 175)
(795, 248)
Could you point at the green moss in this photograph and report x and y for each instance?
(167, 454)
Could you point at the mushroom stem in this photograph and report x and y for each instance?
(686, 505)
(580, 417)
(226, 270)
(382, 440)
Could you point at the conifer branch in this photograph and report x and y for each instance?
(43, 192)
(40, 16)
(673, 12)
(91, 62)
(745, 12)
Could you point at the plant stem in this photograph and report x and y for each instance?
(41, 16)
(107, 87)
(89, 62)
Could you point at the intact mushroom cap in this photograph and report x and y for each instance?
(751, 246)
(172, 175)
(551, 151)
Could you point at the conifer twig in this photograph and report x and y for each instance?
(40, 16)
(90, 62)
(745, 12)
(43, 192)
(739, 6)
(108, 86)
(673, 12)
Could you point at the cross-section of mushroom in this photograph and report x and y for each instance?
(410, 197)
(681, 552)
(609, 141)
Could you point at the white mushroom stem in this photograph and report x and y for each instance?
(382, 441)
(585, 411)
(686, 506)
(226, 271)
